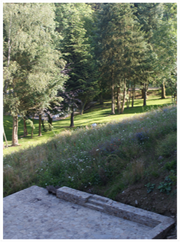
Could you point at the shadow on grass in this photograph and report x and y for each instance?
(96, 114)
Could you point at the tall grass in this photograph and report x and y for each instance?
(86, 157)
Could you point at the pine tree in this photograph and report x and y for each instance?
(149, 16)
(121, 47)
(165, 45)
(75, 25)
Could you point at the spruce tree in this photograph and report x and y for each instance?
(121, 47)
(75, 25)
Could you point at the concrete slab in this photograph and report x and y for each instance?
(34, 214)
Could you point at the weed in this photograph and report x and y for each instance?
(134, 172)
(141, 137)
(171, 165)
(165, 186)
(84, 157)
(168, 145)
(155, 174)
(173, 177)
(150, 187)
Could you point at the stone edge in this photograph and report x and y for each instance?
(160, 224)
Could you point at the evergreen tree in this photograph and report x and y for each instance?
(75, 25)
(149, 16)
(165, 45)
(121, 47)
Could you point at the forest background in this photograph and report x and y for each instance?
(59, 57)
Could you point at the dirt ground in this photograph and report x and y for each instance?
(155, 201)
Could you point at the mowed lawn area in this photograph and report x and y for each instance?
(97, 114)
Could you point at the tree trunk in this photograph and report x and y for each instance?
(142, 93)
(118, 100)
(101, 99)
(145, 94)
(25, 128)
(15, 131)
(133, 95)
(50, 119)
(163, 91)
(5, 138)
(128, 97)
(112, 94)
(124, 96)
(40, 120)
(72, 119)
(32, 129)
(82, 107)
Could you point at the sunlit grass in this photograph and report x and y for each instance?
(87, 156)
(96, 114)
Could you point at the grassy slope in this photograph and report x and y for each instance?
(96, 114)
(73, 157)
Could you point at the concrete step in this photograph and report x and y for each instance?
(33, 213)
(96, 202)
(94, 206)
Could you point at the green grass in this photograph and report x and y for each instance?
(97, 114)
(106, 159)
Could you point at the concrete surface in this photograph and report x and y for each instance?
(33, 213)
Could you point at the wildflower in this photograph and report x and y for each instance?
(97, 149)
(141, 137)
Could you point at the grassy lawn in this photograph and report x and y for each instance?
(105, 159)
(96, 114)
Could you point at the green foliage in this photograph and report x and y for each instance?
(168, 145)
(30, 122)
(96, 114)
(121, 47)
(77, 29)
(74, 158)
(171, 165)
(173, 177)
(165, 186)
(32, 65)
(150, 187)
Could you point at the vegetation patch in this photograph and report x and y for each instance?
(95, 158)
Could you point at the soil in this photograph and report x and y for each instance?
(155, 201)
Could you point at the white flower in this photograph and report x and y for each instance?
(94, 125)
